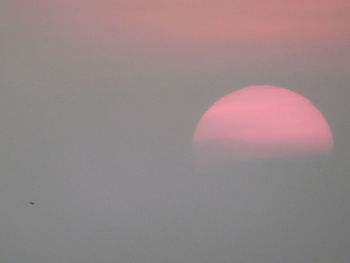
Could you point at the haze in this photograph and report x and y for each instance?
(99, 101)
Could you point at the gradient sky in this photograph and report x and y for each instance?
(99, 101)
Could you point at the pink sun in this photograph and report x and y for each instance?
(261, 122)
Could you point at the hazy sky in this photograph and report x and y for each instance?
(99, 101)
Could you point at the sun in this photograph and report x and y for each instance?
(261, 122)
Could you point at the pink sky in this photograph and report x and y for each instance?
(208, 23)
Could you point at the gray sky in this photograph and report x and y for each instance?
(98, 104)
